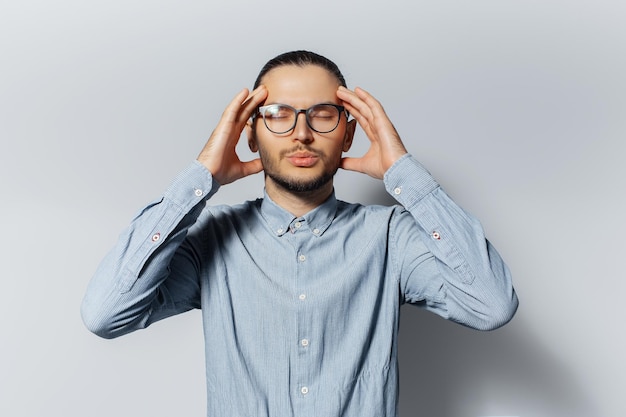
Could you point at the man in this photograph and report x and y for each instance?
(300, 293)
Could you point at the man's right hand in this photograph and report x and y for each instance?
(219, 155)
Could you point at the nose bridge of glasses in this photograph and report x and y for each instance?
(297, 113)
(300, 111)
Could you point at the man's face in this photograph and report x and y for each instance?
(301, 159)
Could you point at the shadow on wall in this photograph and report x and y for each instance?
(447, 370)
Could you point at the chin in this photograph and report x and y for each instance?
(302, 185)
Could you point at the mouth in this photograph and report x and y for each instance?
(302, 159)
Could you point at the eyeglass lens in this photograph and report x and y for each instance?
(322, 118)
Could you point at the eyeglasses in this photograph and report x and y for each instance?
(281, 118)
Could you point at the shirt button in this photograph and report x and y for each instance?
(198, 192)
(302, 258)
(156, 237)
(298, 225)
(316, 231)
(304, 342)
(279, 231)
(304, 390)
(397, 190)
(436, 235)
(302, 297)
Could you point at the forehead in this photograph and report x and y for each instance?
(300, 86)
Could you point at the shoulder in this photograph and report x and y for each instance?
(223, 214)
(235, 209)
(373, 212)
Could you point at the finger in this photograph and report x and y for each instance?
(356, 106)
(346, 96)
(354, 112)
(254, 93)
(363, 120)
(379, 116)
(350, 97)
(252, 102)
(232, 110)
(241, 107)
(372, 103)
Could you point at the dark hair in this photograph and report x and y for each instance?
(300, 59)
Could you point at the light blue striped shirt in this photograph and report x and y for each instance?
(301, 314)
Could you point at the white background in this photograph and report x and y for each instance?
(516, 107)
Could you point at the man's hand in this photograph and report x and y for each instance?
(219, 155)
(386, 146)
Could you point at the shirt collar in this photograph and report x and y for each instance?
(281, 221)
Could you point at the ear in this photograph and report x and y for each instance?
(349, 136)
(250, 133)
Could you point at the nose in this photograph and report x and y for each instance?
(302, 131)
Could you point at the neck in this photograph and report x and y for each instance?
(297, 203)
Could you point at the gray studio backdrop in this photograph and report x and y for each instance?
(516, 107)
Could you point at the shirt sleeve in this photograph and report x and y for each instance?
(130, 288)
(444, 262)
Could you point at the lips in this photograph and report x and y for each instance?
(302, 159)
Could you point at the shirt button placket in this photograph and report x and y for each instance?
(302, 343)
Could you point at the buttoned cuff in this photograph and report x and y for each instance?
(408, 181)
(192, 185)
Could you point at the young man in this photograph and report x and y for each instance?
(300, 293)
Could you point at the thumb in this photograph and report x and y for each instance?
(252, 167)
(352, 164)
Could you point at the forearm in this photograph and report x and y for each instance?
(462, 278)
(129, 289)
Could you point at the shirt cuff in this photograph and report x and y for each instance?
(192, 185)
(408, 181)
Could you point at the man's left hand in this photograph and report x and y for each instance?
(386, 147)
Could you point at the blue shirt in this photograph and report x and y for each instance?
(301, 314)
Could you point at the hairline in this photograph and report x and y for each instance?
(301, 59)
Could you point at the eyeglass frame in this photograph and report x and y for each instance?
(261, 111)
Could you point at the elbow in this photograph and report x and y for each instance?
(498, 314)
(102, 332)
(98, 323)
(111, 323)
(496, 302)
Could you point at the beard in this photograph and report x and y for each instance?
(298, 185)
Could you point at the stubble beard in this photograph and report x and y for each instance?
(302, 186)
(297, 185)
